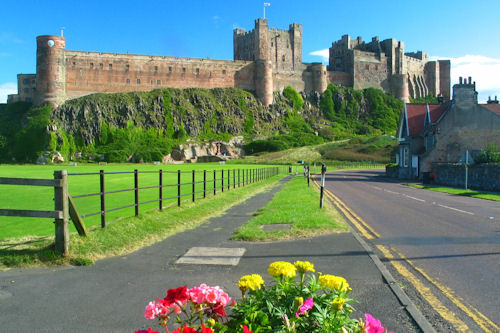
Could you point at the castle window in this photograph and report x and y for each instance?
(28, 99)
(169, 69)
(156, 68)
(287, 45)
(26, 81)
(33, 81)
(367, 66)
(138, 81)
(272, 44)
(183, 70)
(376, 67)
(128, 81)
(101, 66)
(197, 71)
(158, 82)
(26, 90)
(110, 67)
(224, 72)
(283, 58)
(91, 65)
(127, 67)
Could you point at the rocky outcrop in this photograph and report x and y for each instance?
(200, 112)
(206, 152)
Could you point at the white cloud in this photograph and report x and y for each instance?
(325, 54)
(484, 70)
(7, 89)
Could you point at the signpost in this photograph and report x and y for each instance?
(466, 159)
(323, 171)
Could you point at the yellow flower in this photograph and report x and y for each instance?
(334, 282)
(211, 322)
(298, 301)
(253, 281)
(283, 268)
(304, 266)
(338, 303)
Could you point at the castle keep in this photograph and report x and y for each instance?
(265, 60)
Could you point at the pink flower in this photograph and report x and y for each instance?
(211, 296)
(373, 325)
(148, 331)
(151, 311)
(307, 305)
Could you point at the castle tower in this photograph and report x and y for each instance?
(399, 86)
(50, 70)
(264, 81)
(262, 42)
(319, 81)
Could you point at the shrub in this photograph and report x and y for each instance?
(488, 155)
(293, 96)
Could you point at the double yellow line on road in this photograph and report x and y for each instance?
(369, 233)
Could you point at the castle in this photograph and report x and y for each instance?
(265, 60)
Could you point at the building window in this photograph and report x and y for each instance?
(224, 72)
(406, 156)
(28, 99)
(169, 69)
(156, 68)
(283, 58)
(110, 67)
(26, 81)
(128, 81)
(33, 81)
(101, 66)
(127, 67)
(158, 82)
(138, 81)
(91, 65)
(26, 90)
(197, 71)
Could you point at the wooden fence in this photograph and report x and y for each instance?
(61, 205)
(198, 185)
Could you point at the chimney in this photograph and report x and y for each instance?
(464, 93)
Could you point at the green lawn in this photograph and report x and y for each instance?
(298, 205)
(457, 191)
(41, 198)
(126, 234)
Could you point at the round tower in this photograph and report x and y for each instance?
(264, 81)
(399, 87)
(319, 82)
(50, 70)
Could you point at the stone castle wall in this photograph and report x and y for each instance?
(265, 60)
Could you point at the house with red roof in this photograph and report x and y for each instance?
(442, 133)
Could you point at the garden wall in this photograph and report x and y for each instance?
(481, 176)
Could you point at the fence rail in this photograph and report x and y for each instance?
(61, 205)
(189, 184)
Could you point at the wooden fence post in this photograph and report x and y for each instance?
(136, 191)
(178, 188)
(103, 199)
(61, 204)
(234, 178)
(160, 188)
(194, 187)
(215, 182)
(222, 180)
(239, 180)
(204, 183)
(228, 179)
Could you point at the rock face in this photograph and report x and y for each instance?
(209, 152)
(200, 112)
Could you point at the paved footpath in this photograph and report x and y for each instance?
(110, 295)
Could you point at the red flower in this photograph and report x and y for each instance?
(245, 329)
(206, 329)
(148, 331)
(185, 329)
(219, 310)
(176, 295)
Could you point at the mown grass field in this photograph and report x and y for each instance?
(124, 234)
(41, 198)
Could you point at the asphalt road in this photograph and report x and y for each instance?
(450, 244)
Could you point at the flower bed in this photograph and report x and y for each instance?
(303, 302)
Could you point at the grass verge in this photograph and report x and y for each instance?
(457, 191)
(126, 234)
(298, 205)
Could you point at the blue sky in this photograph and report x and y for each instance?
(466, 32)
